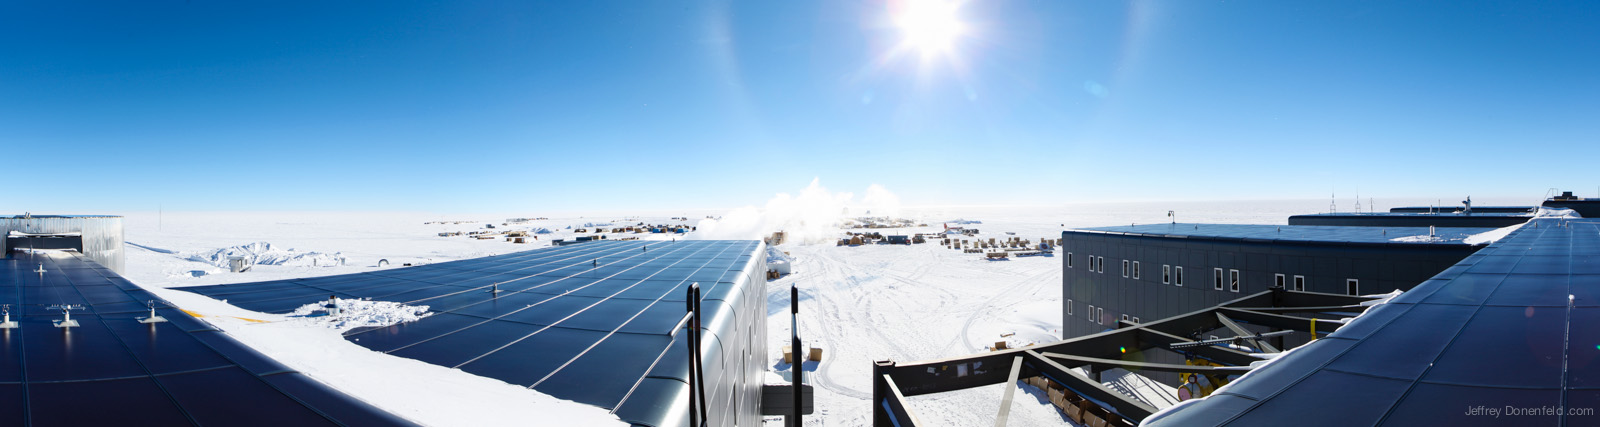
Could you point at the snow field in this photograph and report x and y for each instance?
(860, 304)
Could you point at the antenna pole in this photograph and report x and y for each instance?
(694, 351)
(700, 359)
(799, 363)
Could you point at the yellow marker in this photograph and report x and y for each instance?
(191, 313)
(1313, 329)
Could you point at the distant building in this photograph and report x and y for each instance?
(1149, 272)
(98, 237)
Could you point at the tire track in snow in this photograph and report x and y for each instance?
(990, 304)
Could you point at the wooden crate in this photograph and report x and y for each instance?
(1074, 409)
(815, 355)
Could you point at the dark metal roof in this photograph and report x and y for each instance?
(114, 370)
(60, 216)
(1295, 233)
(1515, 326)
(1475, 213)
(1588, 208)
(594, 322)
(1475, 219)
(1475, 209)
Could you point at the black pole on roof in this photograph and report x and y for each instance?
(794, 349)
(694, 353)
(700, 369)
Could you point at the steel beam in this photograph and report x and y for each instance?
(1124, 405)
(1011, 389)
(1245, 334)
(894, 404)
(1279, 321)
(1146, 366)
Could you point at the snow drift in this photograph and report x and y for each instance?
(358, 313)
(263, 253)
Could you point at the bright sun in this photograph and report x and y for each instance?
(930, 26)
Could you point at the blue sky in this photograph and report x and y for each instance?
(530, 106)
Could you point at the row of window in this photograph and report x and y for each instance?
(1233, 279)
(1174, 276)
(1098, 264)
(1299, 282)
(1098, 315)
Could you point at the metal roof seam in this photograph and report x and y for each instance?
(500, 316)
(135, 357)
(1448, 344)
(541, 302)
(620, 250)
(624, 323)
(235, 363)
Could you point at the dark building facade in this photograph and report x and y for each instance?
(1158, 271)
(1586, 207)
(1151, 272)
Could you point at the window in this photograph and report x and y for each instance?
(1352, 287)
(1136, 270)
(1233, 280)
(1069, 259)
(1277, 281)
(1177, 275)
(1135, 319)
(1166, 274)
(1069, 307)
(1300, 283)
(1124, 268)
(1125, 318)
(1090, 313)
(1102, 261)
(1100, 315)
(1091, 263)
(1216, 278)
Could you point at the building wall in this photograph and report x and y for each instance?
(734, 348)
(1379, 268)
(738, 338)
(102, 235)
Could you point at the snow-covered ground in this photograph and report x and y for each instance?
(859, 304)
(908, 303)
(170, 251)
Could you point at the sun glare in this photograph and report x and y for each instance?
(929, 26)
